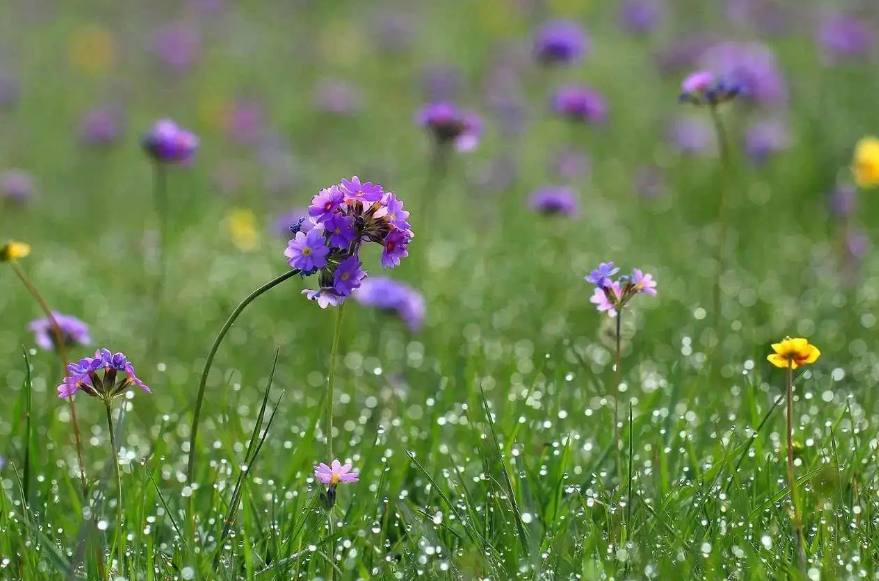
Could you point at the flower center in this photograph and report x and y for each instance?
(390, 246)
(346, 275)
(328, 206)
(306, 251)
(334, 479)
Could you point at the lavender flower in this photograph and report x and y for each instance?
(683, 54)
(335, 473)
(168, 143)
(176, 47)
(101, 126)
(73, 331)
(612, 296)
(706, 88)
(766, 138)
(449, 125)
(580, 104)
(555, 201)
(601, 275)
(16, 185)
(640, 16)
(390, 295)
(750, 69)
(343, 217)
(83, 376)
(560, 42)
(840, 36)
(606, 298)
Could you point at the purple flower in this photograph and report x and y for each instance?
(337, 96)
(643, 283)
(683, 54)
(168, 143)
(393, 212)
(83, 376)
(842, 36)
(326, 203)
(335, 473)
(691, 135)
(176, 47)
(390, 295)
(580, 104)
(361, 192)
(555, 201)
(244, 122)
(297, 218)
(395, 248)
(341, 230)
(73, 331)
(750, 68)
(706, 88)
(606, 298)
(441, 82)
(843, 200)
(324, 297)
(307, 251)
(601, 276)
(560, 42)
(101, 126)
(765, 138)
(348, 276)
(449, 125)
(640, 16)
(16, 185)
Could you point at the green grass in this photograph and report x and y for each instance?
(485, 442)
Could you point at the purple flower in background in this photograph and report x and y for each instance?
(393, 30)
(307, 251)
(354, 190)
(176, 47)
(840, 36)
(341, 230)
(449, 125)
(750, 68)
(765, 16)
(691, 135)
(857, 244)
(83, 376)
(441, 82)
(640, 16)
(649, 181)
(601, 276)
(324, 297)
(570, 163)
(337, 96)
(706, 88)
(348, 276)
(555, 201)
(101, 126)
(580, 104)
(168, 143)
(73, 331)
(683, 55)
(390, 295)
(297, 218)
(16, 185)
(395, 248)
(393, 210)
(766, 138)
(560, 42)
(244, 122)
(9, 92)
(843, 200)
(643, 283)
(326, 203)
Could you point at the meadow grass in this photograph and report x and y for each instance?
(487, 442)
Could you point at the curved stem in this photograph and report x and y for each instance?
(207, 365)
(331, 381)
(726, 178)
(61, 345)
(120, 533)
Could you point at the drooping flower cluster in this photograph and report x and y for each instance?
(388, 294)
(611, 296)
(168, 143)
(448, 124)
(73, 331)
(83, 376)
(706, 88)
(343, 217)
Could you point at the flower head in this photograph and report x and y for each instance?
(14, 250)
(83, 376)
(607, 298)
(73, 331)
(841, 36)
(580, 104)
(168, 143)
(16, 185)
(325, 204)
(390, 295)
(555, 201)
(766, 138)
(449, 125)
(354, 190)
(341, 230)
(348, 276)
(395, 248)
(560, 42)
(793, 353)
(640, 16)
(176, 47)
(866, 162)
(706, 88)
(746, 69)
(101, 126)
(643, 282)
(335, 473)
(324, 297)
(611, 296)
(307, 251)
(601, 275)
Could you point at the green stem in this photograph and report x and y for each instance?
(798, 526)
(726, 179)
(207, 365)
(331, 570)
(61, 345)
(616, 395)
(160, 199)
(331, 381)
(120, 532)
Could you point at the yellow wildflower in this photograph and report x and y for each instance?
(866, 162)
(793, 353)
(13, 250)
(242, 227)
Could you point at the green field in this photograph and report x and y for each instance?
(498, 441)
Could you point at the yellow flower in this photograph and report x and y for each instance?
(793, 353)
(12, 250)
(242, 227)
(866, 162)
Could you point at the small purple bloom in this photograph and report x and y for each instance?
(449, 125)
(580, 104)
(101, 126)
(643, 283)
(766, 138)
(697, 82)
(843, 201)
(348, 276)
(706, 88)
(748, 68)
(601, 276)
(843, 36)
(326, 203)
(683, 54)
(640, 16)
(83, 376)
(602, 302)
(168, 143)
(325, 297)
(335, 473)
(307, 251)
(555, 201)
(361, 192)
(176, 47)
(341, 230)
(395, 248)
(73, 331)
(390, 295)
(560, 42)
(393, 211)
(16, 185)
